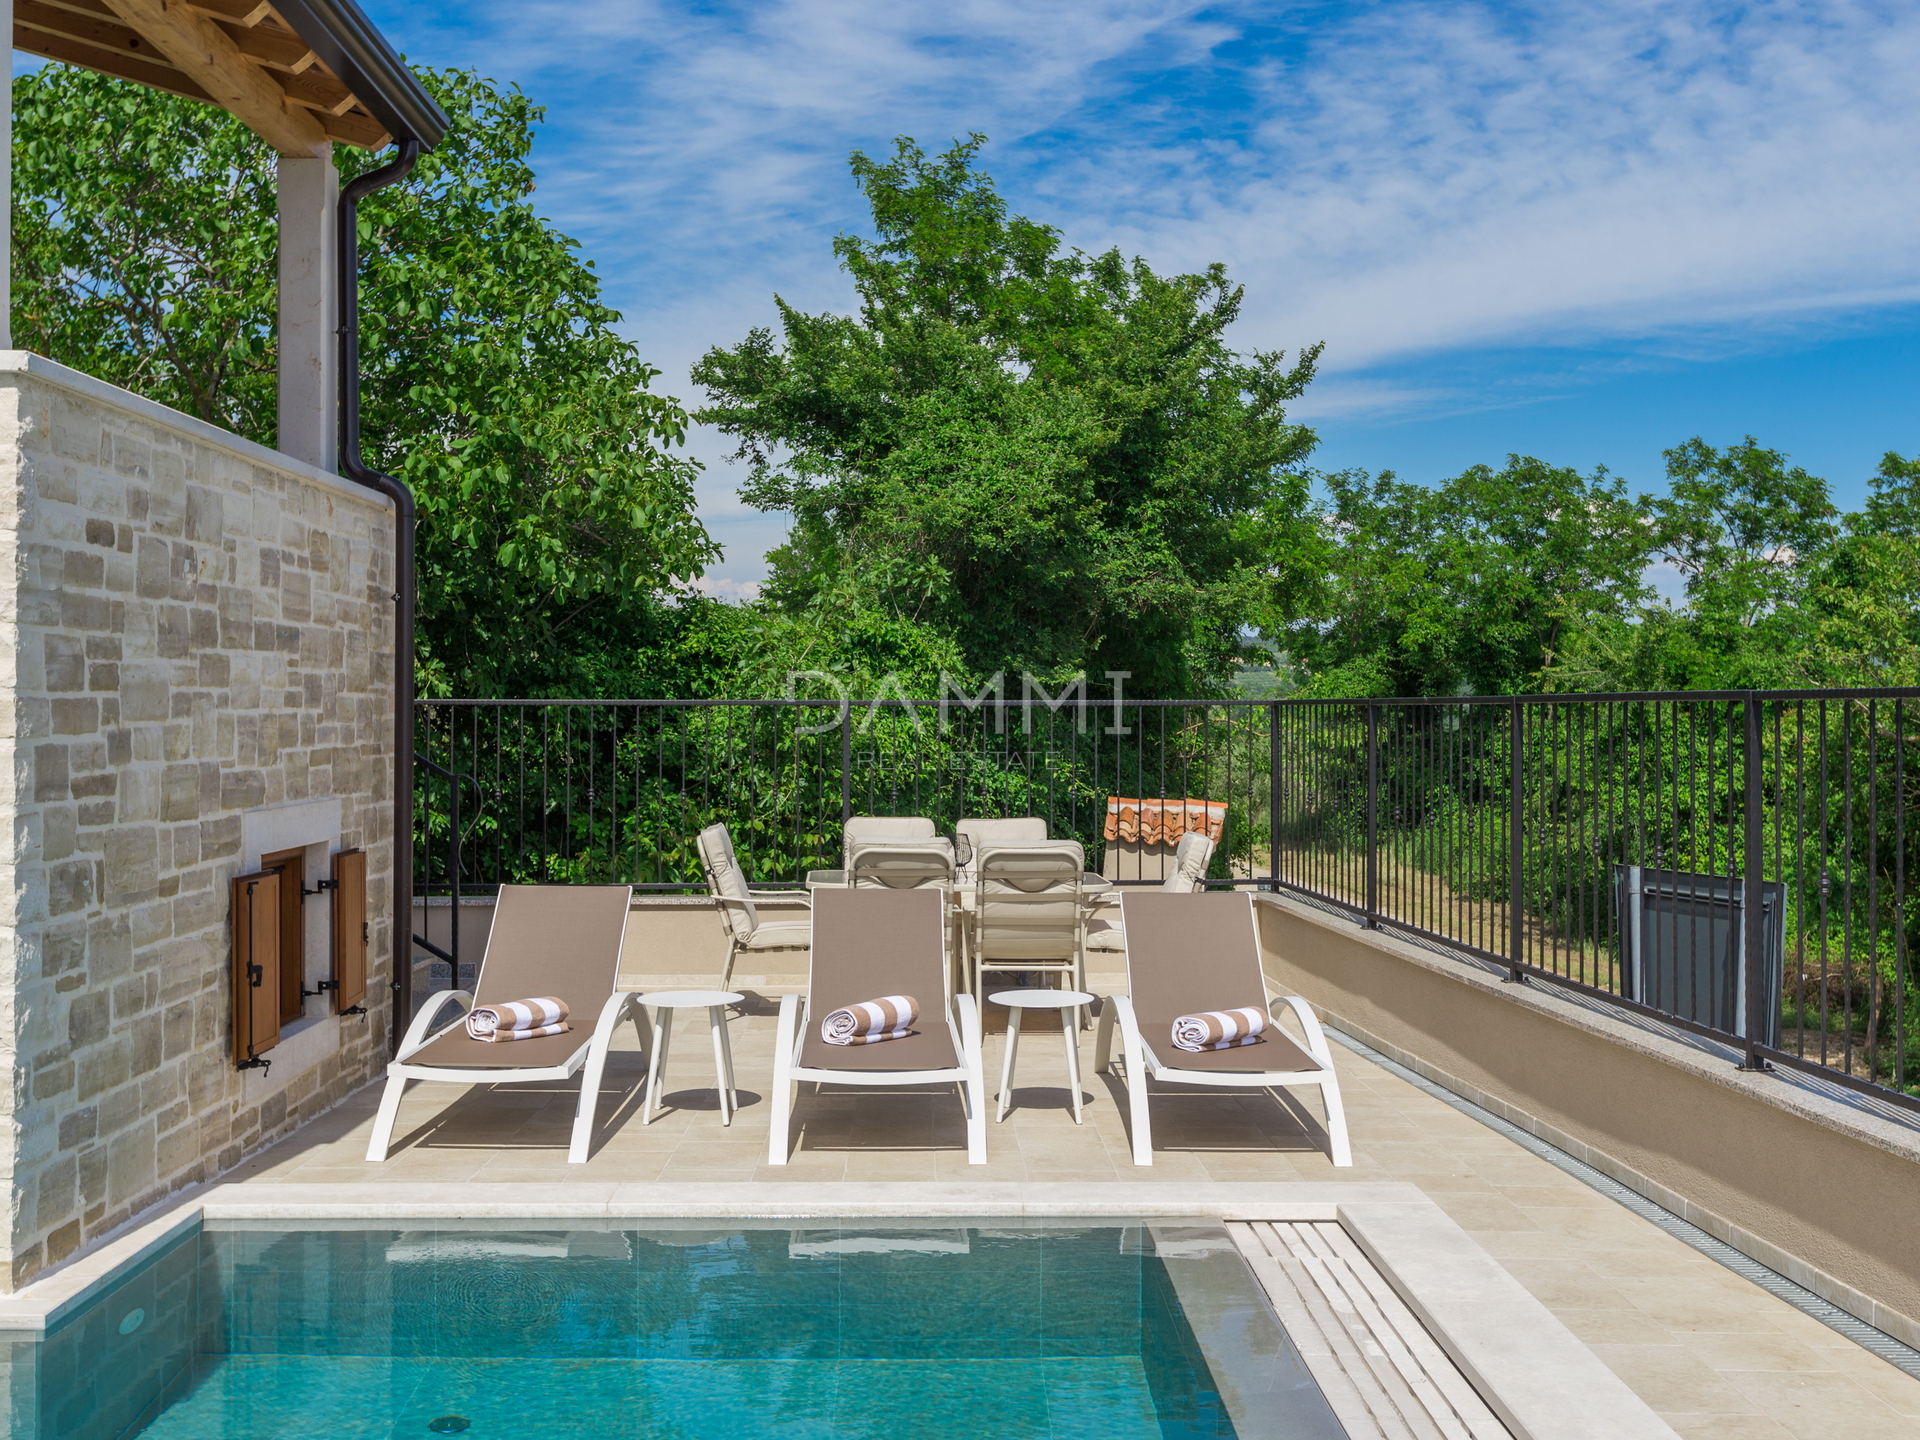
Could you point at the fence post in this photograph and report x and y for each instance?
(846, 763)
(1373, 816)
(453, 878)
(1516, 842)
(1273, 797)
(1753, 944)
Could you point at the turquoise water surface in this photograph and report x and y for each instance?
(887, 1331)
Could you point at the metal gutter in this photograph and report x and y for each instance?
(352, 467)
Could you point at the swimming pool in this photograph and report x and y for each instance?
(695, 1330)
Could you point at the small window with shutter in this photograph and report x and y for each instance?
(349, 931)
(256, 966)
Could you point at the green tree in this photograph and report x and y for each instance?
(143, 244)
(1749, 536)
(1863, 602)
(552, 507)
(1041, 458)
(1468, 587)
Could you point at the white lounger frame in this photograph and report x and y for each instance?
(592, 1054)
(1141, 1062)
(788, 1073)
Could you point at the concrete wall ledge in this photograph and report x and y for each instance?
(63, 377)
(1812, 1179)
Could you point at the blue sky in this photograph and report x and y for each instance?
(1581, 231)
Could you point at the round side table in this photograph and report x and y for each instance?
(1036, 999)
(715, 1003)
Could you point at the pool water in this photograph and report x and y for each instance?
(694, 1331)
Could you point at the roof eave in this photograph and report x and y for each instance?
(366, 64)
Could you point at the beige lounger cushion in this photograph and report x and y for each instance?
(1025, 830)
(879, 942)
(890, 827)
(778, 935)
(559, 940)
(1189, 953)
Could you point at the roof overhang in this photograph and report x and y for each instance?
(299, 73)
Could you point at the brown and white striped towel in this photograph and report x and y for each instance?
(1219, 1029)
(868, 1022)
(519, 1019)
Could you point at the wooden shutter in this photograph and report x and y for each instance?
(292, 865)
(349, 929)
(256, 964)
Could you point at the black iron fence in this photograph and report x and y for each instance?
(1603, 842)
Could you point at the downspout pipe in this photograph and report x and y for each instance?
(404, 513)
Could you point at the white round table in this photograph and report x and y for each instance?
(1039, 999)
(715, 1003)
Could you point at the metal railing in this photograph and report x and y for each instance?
(1602, 842)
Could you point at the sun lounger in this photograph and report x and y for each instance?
(1192, 953)
(866, 944)
(558, 940)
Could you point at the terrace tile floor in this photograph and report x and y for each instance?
(1713, 1354)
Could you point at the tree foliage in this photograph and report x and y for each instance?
(1467, 587)
(1033, 457)
(143, 244)
(1533, 578)
(553, 508)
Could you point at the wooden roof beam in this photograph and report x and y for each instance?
(207, 55)
(234, 12)
(275, 49)
(86, 29)
(155, 74)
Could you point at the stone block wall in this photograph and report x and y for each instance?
(195, 636)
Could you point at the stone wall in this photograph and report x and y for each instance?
(195, 666)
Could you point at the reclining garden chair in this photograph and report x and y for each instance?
(1191, 953)
(727, 883)
(559, 940)
(868, 944)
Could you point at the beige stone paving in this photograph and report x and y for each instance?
(1714, 1355)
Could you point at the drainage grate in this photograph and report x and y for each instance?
(1380, 1370)
(1867, 1337)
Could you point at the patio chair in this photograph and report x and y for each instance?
(864, 830)
(972, 836)
(900, 864)
(1190, 863)
(559, 940)
(721, 865)
(1029, 913)
(868, 943)
(727, 883)
(1195, 953)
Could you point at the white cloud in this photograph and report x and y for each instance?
(723, 589)
(1397, 179)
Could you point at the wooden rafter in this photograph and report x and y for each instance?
(237, 54)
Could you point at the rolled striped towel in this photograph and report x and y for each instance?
(533, 1034)
(1219, 1029)
(519, 1019)
(868, 1022)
